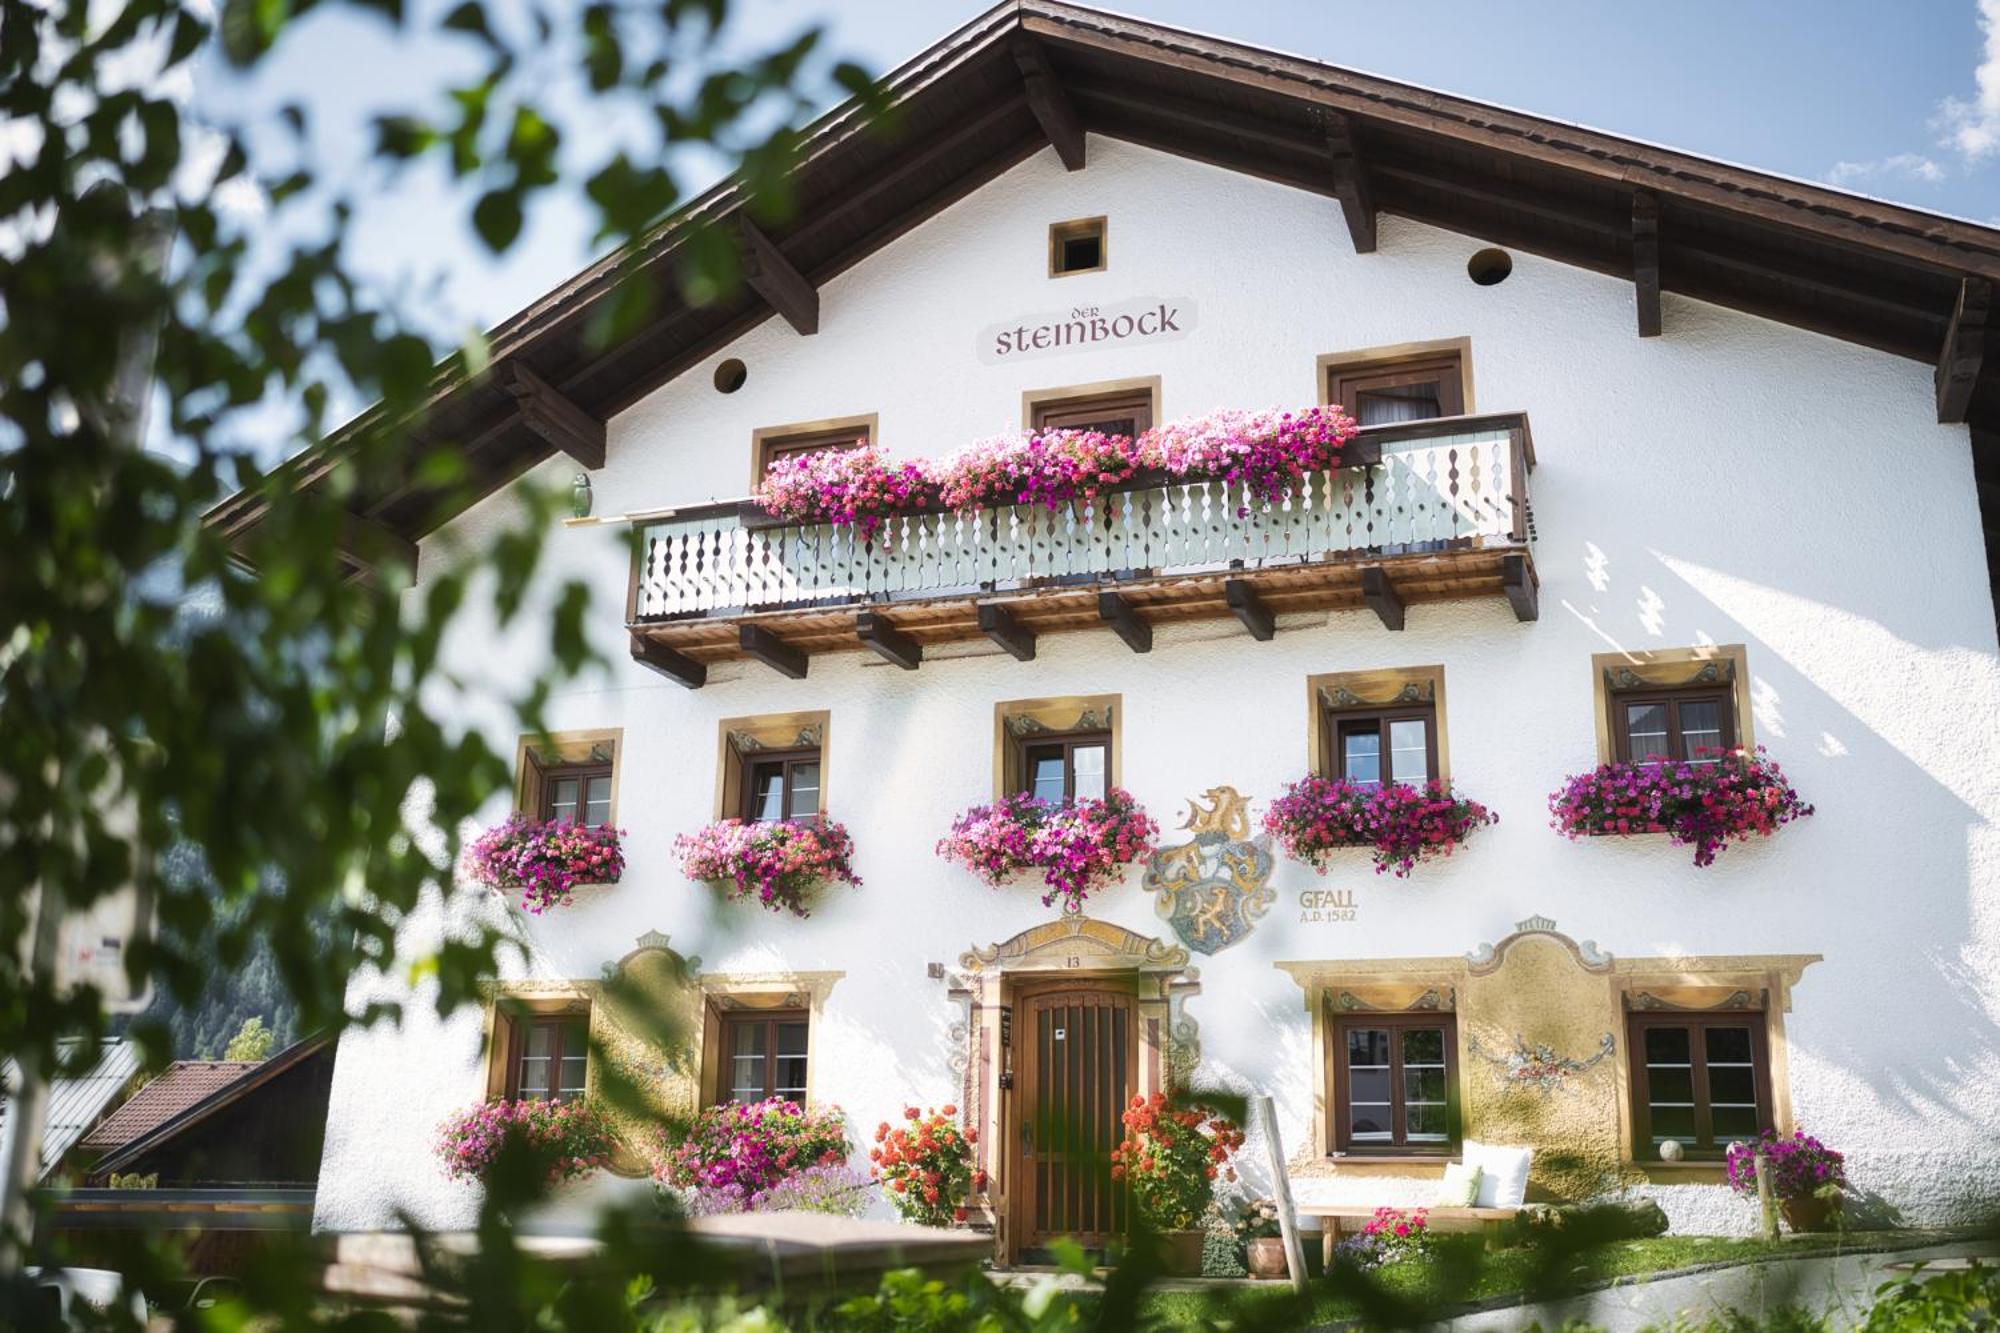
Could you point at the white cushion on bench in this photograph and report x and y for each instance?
(1503, 1173)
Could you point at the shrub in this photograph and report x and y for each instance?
(545, 859)
(1318, 816)
(1738, 795)
(780, 864)
(567, 1139)
(925, 1166)
(1171, 1158)
(1801, 1166)
(1080, 847)
(746, 1148)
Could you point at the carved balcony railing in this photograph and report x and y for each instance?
(1432, 510)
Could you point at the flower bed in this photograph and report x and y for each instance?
(1403, 824)
(1080, 847)
(926, 1166)
(1269, 452)
(1390, 1236)
(569, 1139)
(779, 864)
(737, 1151)
(1171, 1158)
(1738, 795)
(1801, 1166)
(545, 859)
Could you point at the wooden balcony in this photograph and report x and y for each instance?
(1433, 510)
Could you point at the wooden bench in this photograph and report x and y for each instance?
(1334, 1217)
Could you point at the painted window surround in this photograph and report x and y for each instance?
(739, 737)
(1014, 718)
(1032, 400)
(1373, 689)
(1728, 663)
(724, 993)
(765, 440)
(1331, 364)
(564, 747)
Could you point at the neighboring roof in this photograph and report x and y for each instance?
(1029, 72)
(248, 1078)
(75, 1104)
(179, 1086)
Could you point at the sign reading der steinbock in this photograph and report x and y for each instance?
(1148, 319)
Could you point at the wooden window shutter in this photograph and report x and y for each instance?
(533, 777)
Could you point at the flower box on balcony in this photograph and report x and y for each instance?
(1080, 847)
(1400, 823)
(1705, 803)
(781, 864)
(547, 860)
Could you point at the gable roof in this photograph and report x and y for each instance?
(75, 1103)
(227, 1092)
(1030, 72)
(179, 1086)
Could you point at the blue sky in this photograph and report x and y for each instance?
(1896, 100)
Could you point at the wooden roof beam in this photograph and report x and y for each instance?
(997, 623)
(1051, 104)
(1350, 182)
(772, 277)
(1963, 359)
(550, 414)
(893, 645)
(1124, 619)
(1646, 260)
(675, 666)
(772, 651)
(372, 547)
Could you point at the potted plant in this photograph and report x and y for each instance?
(545, 859)
(1170, 1158)
(563, 1139)
(1807, 1178)
(780, 864)
(735, 1152)
(1732, 796)
(1401, 824)
(1081, 847)
(1261, 1236)
(1390, 1237)
(925, 1166)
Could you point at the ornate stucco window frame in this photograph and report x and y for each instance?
(1724, 665)
(737, 738)
(1015, 719)
(534, 753)
(1329, 692)
(724, 993)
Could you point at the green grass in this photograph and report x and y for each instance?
(1460, 1272)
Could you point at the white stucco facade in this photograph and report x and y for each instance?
(1734, 481)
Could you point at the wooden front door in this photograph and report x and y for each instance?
(1078, 1066)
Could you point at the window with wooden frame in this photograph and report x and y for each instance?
(569, 776)
(771, 444)
(1700, 1080)
(773, 767)
(1377, 727)
(1390, 386)
(1124, 407)
(764, 1055)
(1395, 1083)
(540, 1049)
(1674, 704)
(1059, 749)
(1081, 245)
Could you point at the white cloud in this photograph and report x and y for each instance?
(1973, 128)
(1911, 166)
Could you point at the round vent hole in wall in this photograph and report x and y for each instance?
(1489, 267)
(729, 376)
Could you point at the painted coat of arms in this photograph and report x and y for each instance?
(1214, 887)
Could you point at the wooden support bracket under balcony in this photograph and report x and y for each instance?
(772, 651)
(677, 667)
(894, 645)
(1250, 609)
(1381, 596)
(997, 623)
(1523, 589)
(1117, 612)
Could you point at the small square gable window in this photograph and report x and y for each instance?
(1077, 247)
